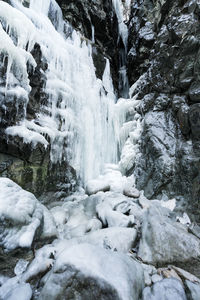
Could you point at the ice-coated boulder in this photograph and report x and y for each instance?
(89, 272)
(115, 238)
(22, 217)
(166, 289)
(95, 186)
(111, 213)
(164, 241)
(12, 289)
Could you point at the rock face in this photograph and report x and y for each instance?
(88, 272)
(165, 52)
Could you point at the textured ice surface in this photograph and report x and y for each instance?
(115, 238)
(13, 289)
(21, 215)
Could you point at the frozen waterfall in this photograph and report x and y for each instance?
(77, 122)
(122, 10)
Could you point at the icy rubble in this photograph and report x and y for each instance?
(81, 243)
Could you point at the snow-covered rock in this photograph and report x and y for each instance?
(165, 241)
(108, 213)
(95, 186)
(89, 272)
(115, 238)
(22, 217)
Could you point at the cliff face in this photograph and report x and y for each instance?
(164, 50)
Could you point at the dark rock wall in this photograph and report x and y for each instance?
(164, 47)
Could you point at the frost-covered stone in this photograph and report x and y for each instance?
(114, 238)
(89, 272)
(164, 241)
(95, 186)
(12, 289)
(22, 217)
(108, 214)
(155, 278)
(132, 192)
(167, 289)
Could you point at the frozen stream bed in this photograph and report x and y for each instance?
(111, 244)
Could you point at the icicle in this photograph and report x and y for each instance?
(120, 10)
(93, 38)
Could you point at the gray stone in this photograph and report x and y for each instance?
(162, 102)
(167, 289)
(166, 242)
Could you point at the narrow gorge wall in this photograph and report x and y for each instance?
(164, 58)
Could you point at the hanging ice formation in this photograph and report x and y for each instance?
(77, 123)
(122, 10)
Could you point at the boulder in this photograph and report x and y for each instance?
(89, 272)
(132, 192)
(115, 238)
(164, 241)
(21, 216)
(94, 186)
(23, 222)
(166, 289)
(113, 211)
